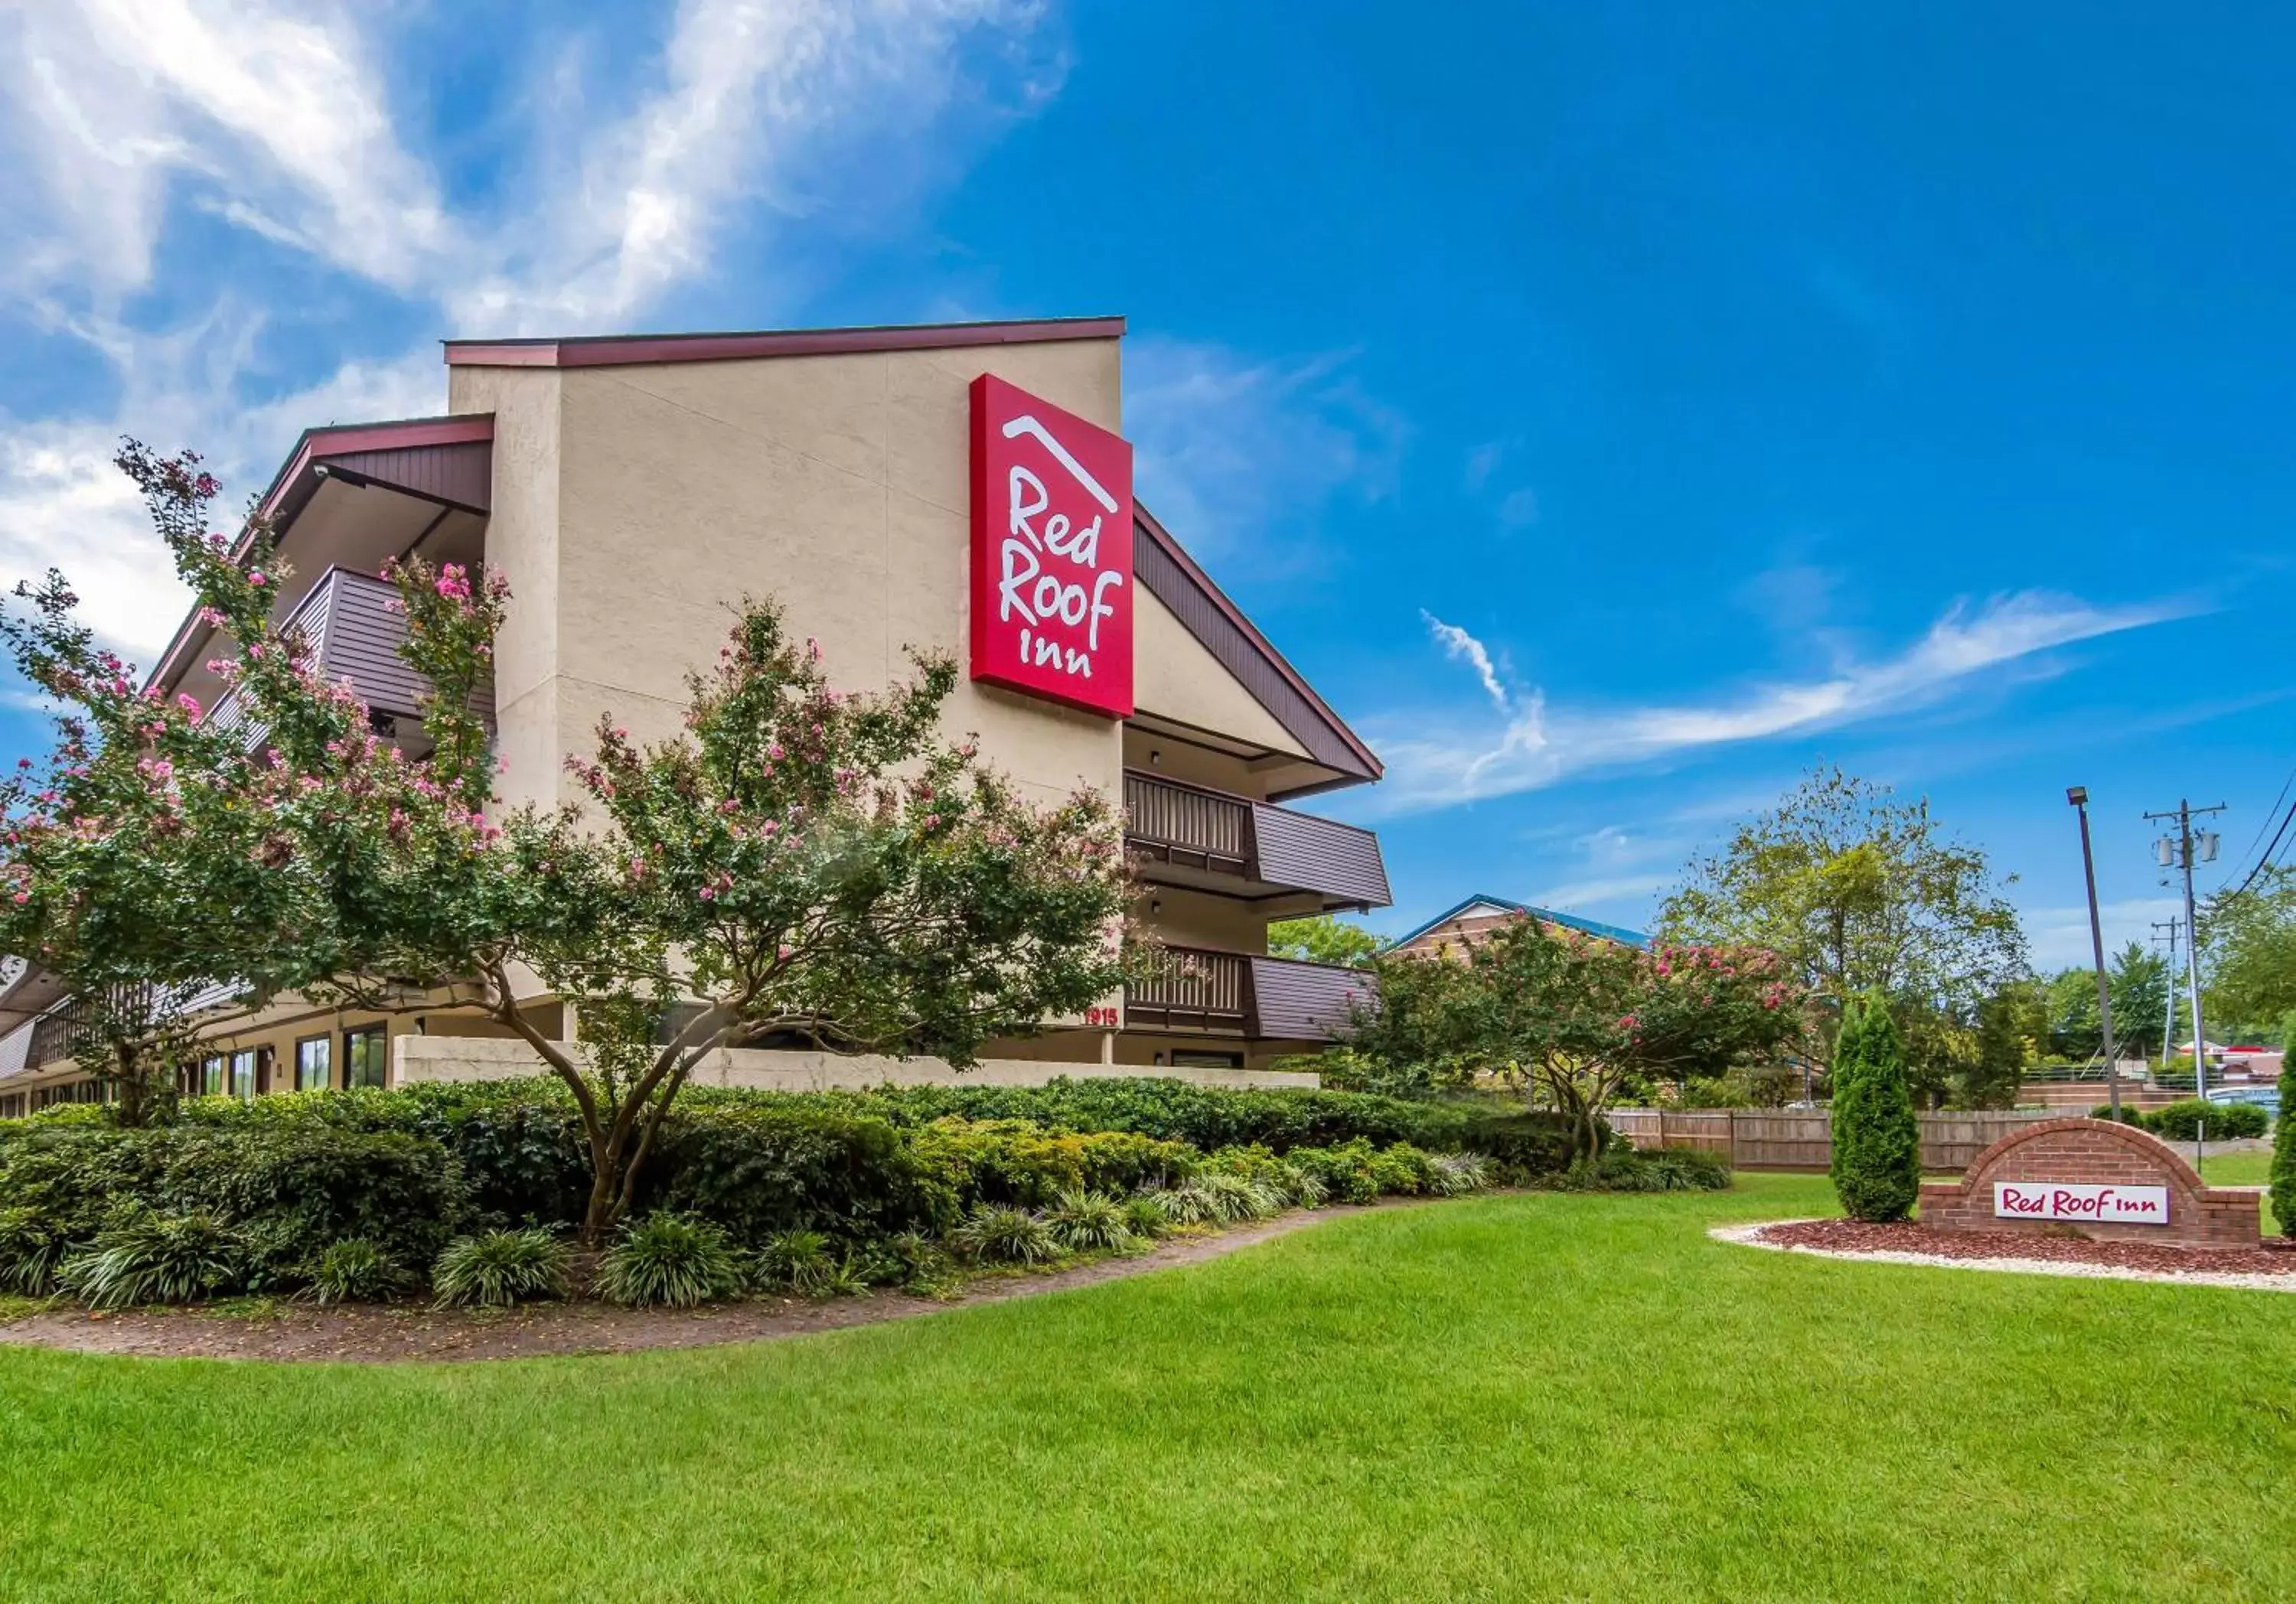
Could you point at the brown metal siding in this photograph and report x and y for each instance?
(460, 473)
(362, 641)
(1306, 1002)
(1319, 854)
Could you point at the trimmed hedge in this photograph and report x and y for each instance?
(769, 1167)
(2181, 1121)
(287, 1192)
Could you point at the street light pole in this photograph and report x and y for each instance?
(2077, 795)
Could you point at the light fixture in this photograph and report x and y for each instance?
(1155, 757)
(2077, 794)
(1155, 904)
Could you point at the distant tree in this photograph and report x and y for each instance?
(1857, 892)
(2248, 944)
(1574, 1020)
(1877, 1160)
(2139, 981)
(1323, 939)
(1998, 1050)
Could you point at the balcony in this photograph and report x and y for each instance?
(1247, 995)
(1188, 835)
(355, 636)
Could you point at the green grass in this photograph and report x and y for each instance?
(2237, 1169)
(1515, 1398)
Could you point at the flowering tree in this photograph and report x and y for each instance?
(798, 864)
(1574, 1020)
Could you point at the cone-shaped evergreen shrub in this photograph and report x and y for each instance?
(1877, 1146)
(2284, 1138)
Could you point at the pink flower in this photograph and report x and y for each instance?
(255, 577)
(212, 617)
(787, 951)
(24, 897)
(708, 894)
(189, 704)
(775, 751)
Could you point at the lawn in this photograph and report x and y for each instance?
(2237, 1169)
(1525, 1396)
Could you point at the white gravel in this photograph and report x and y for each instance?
(1750, 1236)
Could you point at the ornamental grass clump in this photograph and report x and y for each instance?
(498, 1268)
(799, 1260)
(352, 1271)
(670, 1261)
(1457, 1175)
(1085, 1221)
(1005, 1234)
(32, 1247)
(1146, 1216)
(1877, 1143)
(149, 1257)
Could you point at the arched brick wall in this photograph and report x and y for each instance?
(2093, 1152)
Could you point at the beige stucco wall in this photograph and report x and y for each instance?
(1176, 677)
(839, 484)
(1188, 918)
(523, 544)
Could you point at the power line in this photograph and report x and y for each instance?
(2260, 829)
(2286, 819)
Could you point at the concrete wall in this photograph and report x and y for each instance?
(437, 1059)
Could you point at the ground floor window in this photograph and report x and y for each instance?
(213, 1071)
(315, 1063)
(1181, 1058)
(366, 1060)
(243, 1083)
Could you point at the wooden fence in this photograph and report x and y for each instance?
(1802, 1139)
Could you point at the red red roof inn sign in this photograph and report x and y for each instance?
(2092, 1178)
(1052, 552)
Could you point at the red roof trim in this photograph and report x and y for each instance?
(623, 350)
(336, 440)
(1259, 642)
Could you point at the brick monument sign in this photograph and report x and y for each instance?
(2091, 1178)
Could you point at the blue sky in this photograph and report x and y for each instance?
(1613, 409)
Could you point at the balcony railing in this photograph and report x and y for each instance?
(1175, 825)
(1248, 996)
(354, 635)
(80, 1022)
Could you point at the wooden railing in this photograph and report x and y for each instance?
(1181, 823)
(1802, 1139)
(1192, 989)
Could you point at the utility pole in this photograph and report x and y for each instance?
(2177, 852)
(2168, 1014)
(2077, 795)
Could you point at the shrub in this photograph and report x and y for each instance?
(670, 1261)
(1083, 1221)
(1524, 1144)
(1877, 1157)
(1175, 1110)
(2127, 1116)
(799, 1260)
(1305, 1187)
(148, 1257)
(31, 1246)
(352, 1271)
(760, 1168)
(1007, 1234)
(1226, 1199)
(1665, 1170)
(2284, 1140)
(2181, 1121)
(497, 1268)
(1344, 1172)
(1013, 1161)
(1403, 1170)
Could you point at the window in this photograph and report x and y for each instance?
(315, 1063)
(212, 1072)
(242, 1074)
(1185, 1059)
(366, 1057)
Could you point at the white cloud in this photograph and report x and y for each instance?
(1576, 896)
(1460, 646)
(1430, 766)
(1228, 449)
(1518, 510)
(276, 121)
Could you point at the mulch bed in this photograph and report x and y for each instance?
(2277, 1257)
(386, 1332)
